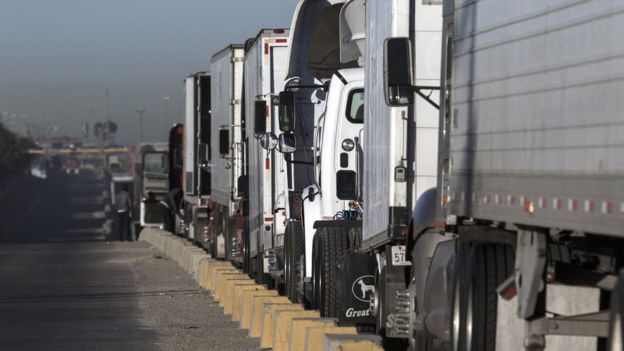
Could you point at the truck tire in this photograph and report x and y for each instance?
(330, 243)
(481, 267)
(616, 327)
(294, 242)
(423, 342)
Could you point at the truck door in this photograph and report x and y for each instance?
(348, 138)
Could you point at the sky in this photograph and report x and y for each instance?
(59, 58)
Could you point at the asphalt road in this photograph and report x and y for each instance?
(64, 286)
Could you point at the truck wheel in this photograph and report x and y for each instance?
(480, 269)
(616, 328)
(294, 248)
(330, 243)
(423, 342)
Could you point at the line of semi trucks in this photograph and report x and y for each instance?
(441, 173)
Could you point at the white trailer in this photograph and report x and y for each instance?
(266, 60)
(196, 180)
(529, 134)
(226, 153)
(400, 152)
(530, 180)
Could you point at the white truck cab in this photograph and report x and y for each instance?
(321, 116)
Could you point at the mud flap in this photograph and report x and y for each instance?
(356, 286)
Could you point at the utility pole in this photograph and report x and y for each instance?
(107, 104)
(140, 112)
(166, 100)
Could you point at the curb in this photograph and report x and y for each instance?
(275, 320)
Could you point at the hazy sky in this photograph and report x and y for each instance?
(57, 58)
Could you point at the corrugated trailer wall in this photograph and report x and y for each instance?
(253, 87)
(538, 94)
(226, 83)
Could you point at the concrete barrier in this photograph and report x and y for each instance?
(354, 345)
(298, 329)
(263, 323)
(344, 342)
(248, 304)
(202, 265)
(232, 285)
(278, 323)
(279, 339)
(220, 290)
(237, 301)
(314, 336)
(215, 274)
(253, 319)
(205, 279)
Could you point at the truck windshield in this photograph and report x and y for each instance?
(156, 163)
(355, 106)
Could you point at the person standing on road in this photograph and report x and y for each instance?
(170, 208)
(123, 205)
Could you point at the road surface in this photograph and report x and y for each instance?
(64, 286)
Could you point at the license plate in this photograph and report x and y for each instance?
(399, 257)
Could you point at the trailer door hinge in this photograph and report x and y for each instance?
(235, 102)
(237, 59)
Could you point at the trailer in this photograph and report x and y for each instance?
(399, 166)
(525, 247)
(196, 180)
(227, 154)
(264, 75)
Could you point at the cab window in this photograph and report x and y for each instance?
(355, 106)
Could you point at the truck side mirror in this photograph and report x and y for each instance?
(268, 141)
(287, 143)
(398, 71)
(224, 141)
(287, 111)
(260, 115)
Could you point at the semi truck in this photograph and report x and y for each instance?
(196, 163)
(320, 119)
(264, 69)
(525, 242)
(446, 172)
(228, 183)
(153, 187)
